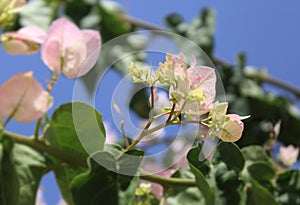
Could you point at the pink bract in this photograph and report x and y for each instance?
(23, 98)
(70, 50)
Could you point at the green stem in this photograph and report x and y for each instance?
(167, 181)
(43, 147)
(124, 134)
(140, 137)
(80, 161)
(36, 129)
(53, 80)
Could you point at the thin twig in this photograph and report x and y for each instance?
(124, 134)
(171, 113)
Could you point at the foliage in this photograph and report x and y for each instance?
(255, 170)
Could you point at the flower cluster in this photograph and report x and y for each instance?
(192, 91)
(64, 49)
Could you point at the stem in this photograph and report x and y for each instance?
(124, 134)
(152, 97)
(143, 24)
(80, 161)
(167, 181)
(43, 147)
(171, 113)
(139, 138)
(277, 83)
(53, 80)
(36, 129)
(142, 135)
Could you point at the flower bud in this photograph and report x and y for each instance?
(25, 41)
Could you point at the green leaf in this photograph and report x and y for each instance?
(75, 127)
(182, 195)
(230, 154)
(111, 14)
(228, 163)
(21, 171)
(288, 187)
(254, 154)
(261, 171)
(250, 88)
(106, 186)
(258, 195)
(69, 122)
(30, 166)
(196, 166)
(9, 183)
(77, 10)
(200, 31)
(190, 196)
(38, 13)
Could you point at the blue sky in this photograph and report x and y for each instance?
(268, 31)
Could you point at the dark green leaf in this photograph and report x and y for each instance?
(77, 10)
(21, 171)
(111, 14)
(288, 187)
(202, 184)
(261, 171)
(258, 195)
(9, 183)
(231, 155)
(106, 186)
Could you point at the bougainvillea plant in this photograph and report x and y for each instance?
(116, 171)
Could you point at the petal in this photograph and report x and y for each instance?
(23, 95)
(93, 43)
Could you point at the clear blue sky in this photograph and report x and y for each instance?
(268, 31)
